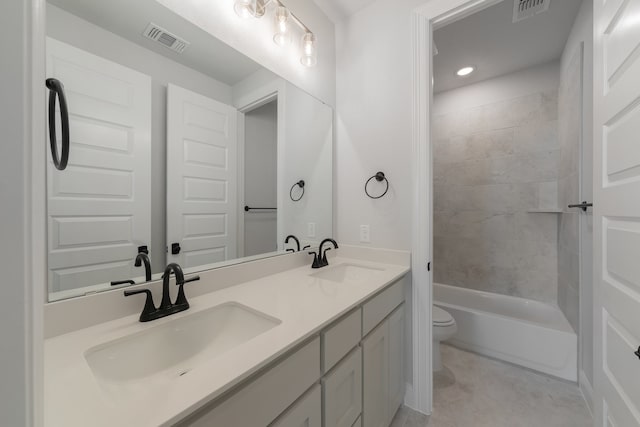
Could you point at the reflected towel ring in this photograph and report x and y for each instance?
(379, 176)
(299, 184)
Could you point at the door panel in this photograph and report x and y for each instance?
(99, 207)
(617, 212)
(201, 178)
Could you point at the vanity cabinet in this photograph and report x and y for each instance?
(383, 371)
(342, 391)
(337, 379)
(306, 412)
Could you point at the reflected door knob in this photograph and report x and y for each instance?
(175, 248)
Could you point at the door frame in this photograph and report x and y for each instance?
(424, 19)
(275, 90)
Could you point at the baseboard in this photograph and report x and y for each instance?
(586, 389)
(410, 399)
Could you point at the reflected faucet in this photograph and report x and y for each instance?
(291, 236)
(167, 308)
(143, 257)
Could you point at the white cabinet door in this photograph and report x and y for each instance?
(342, 390)
(100, 206)
(201, 178)
(396, 361)
(616, 219)
(375, 377)
(307, 412)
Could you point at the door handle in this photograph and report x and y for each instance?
(637, 352)
(56, 89)
(584, 205)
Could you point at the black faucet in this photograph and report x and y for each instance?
(167, 308)
(143, 257)
(291, 236)
(320, 258)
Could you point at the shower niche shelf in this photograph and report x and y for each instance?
(545, 210)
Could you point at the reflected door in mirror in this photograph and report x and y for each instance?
(99, 207)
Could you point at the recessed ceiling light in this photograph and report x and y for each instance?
(465, 71)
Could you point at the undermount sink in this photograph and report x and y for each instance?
(175, 347)
(344, 273)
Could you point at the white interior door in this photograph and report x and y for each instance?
(201, 179)
(99, 207)
(617, 212)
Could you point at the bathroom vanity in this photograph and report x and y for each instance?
(317, 347)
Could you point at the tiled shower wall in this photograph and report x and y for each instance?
(569, 133)
(495, 166)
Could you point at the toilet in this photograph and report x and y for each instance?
(444, 327)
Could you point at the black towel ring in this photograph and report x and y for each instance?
(379, 176)
(299, 184)
(56, 90)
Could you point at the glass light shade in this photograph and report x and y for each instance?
(250, 8)
(245, 8)
(282, 36)
(309, 56)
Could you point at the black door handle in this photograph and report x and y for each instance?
(584, 205)
(175, 248)
(637, 352)
(56, 89)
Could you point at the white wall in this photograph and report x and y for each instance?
(16, 229)
(373, 108)
(260, 179)
(70, 29)
(254, 38)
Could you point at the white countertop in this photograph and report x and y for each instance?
(304, 304)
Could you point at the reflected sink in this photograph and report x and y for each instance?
(175, 347)
(344, 273)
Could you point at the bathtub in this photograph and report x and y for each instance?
(517, 330)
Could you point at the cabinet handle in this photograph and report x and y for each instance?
(56, 89)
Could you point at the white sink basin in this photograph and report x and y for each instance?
(173, 348)
(344, 273)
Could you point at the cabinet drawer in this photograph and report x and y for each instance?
(260, 401)
(379, 307)
(342, 392)
(340, 338)
(307, 412)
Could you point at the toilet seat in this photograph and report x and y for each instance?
(441, 318)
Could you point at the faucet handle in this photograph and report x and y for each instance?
(149, 306)
(191, 279)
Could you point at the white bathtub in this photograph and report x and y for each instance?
(517, 330)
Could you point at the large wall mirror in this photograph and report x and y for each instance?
(180, 148)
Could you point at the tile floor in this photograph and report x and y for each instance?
(475, 391)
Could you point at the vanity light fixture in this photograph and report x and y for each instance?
(250, 8)
(282, 37)
(282, 18)
(465, 71)
(309, 50)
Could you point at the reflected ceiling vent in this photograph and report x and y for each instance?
(523, 9)
(165, 38)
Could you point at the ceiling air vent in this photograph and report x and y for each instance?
(165, 38)
(523, 9)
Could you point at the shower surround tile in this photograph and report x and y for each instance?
(492, 165)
